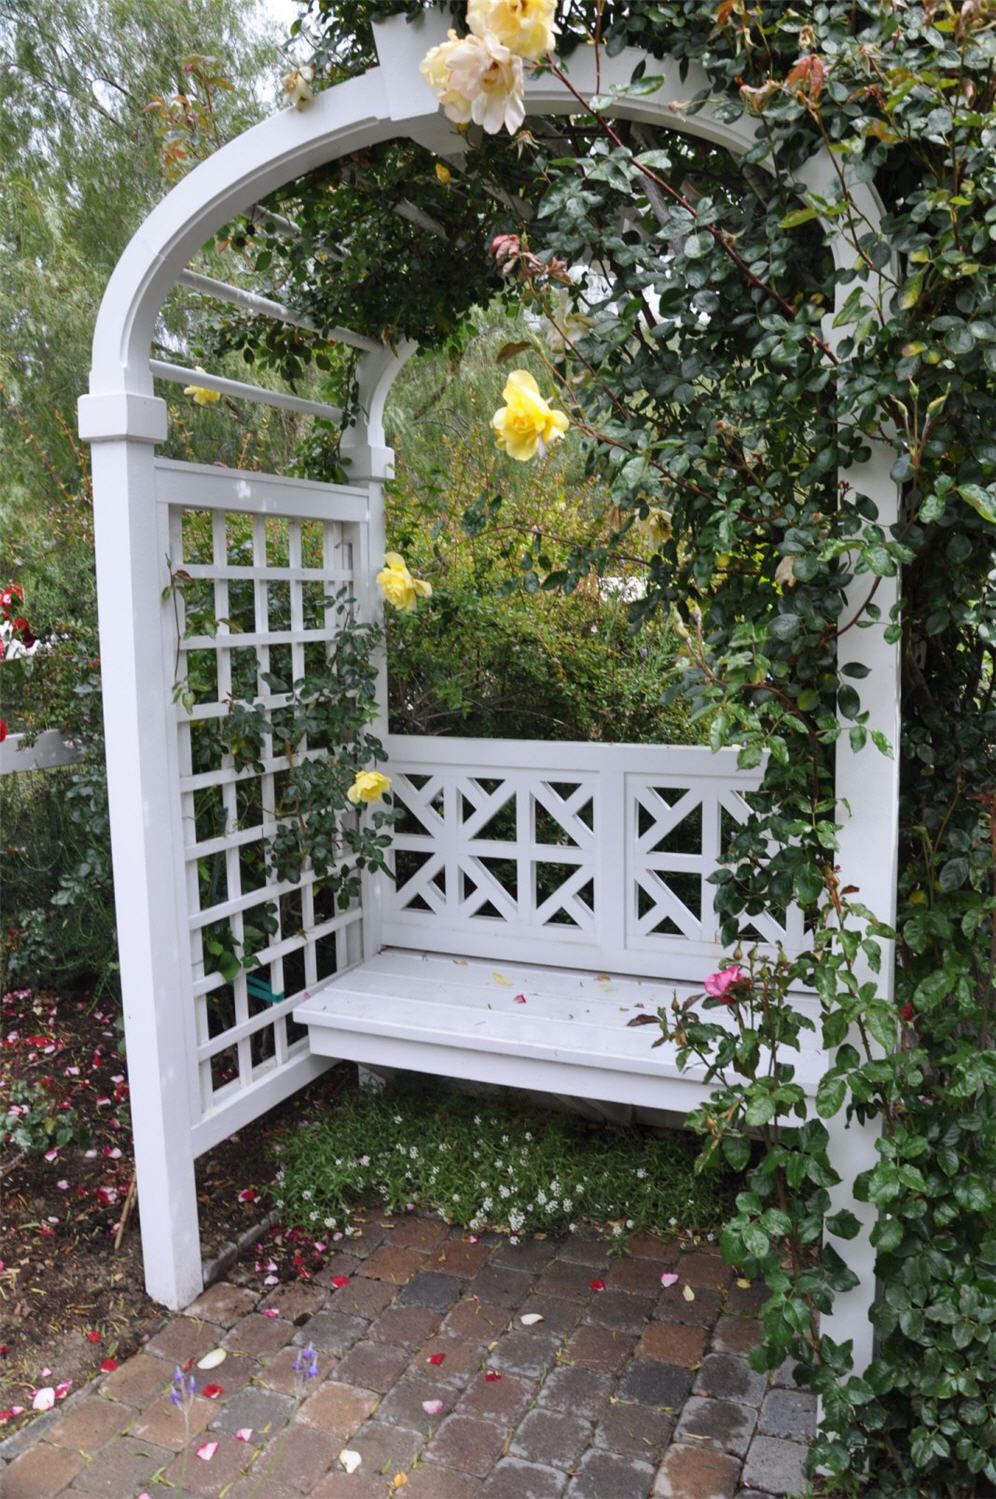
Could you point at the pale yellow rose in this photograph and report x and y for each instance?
(435, 69)
(400, 588)
(368, 786)
(526, 424)
(525, 27)
(202, 396)
(297, 85)
(478, 80)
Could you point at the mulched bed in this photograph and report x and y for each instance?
(71, 1280)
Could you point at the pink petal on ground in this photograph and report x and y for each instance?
(93, 1337)
(520, 999)
(243, 1434)
(44, 1399)
(51, 1155)
(669, 1278)
(339, 1281)
(432, 1407)
(62, 1389)
(271, 1280)
(206, 1451)
(108, 1366)
(63, 1185)
(270, 1311)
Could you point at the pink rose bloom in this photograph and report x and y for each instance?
(719, 984)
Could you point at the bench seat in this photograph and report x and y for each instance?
(465, 1018)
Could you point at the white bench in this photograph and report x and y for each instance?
(552, 1030)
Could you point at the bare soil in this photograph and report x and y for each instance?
(72, 1292)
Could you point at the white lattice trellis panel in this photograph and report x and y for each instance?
(256, 563)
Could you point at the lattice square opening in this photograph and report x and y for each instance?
(209, 813)
(201, 670)
(224, 1068)
(241, 614)
(278, 606)
(212, 881)
(249, 802)
(295, 977)
(277, 541)
(312, 543)
(238, 540)
(206, 753)
(219, 1011)
(196, 534)
(326, 956)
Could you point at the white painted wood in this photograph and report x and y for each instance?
(554, 1030)
(531, 848)
(48, 751)
(179, 374)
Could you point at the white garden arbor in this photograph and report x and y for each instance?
(612, 845)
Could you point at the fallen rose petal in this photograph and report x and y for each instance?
(45, 1373)
(399, 1480)
(248, 1194)
(52, 1155)
(206, 1451)
(350, 1460)
(108, 1366)
(669, 1278)
(492, 1376)
(743, 1284)
(212, 1391)
(519, 999)
(243, 1434)
(271, 1280)
(530, 1319)
(339, 1281)
(270, 1311)
(435, 1358)
(432, 1407)
(688, 1293)
(93, 1337)
(63, 1185)
(597, 1285)
(62, 1389)
(44, 1399)
(213, 1359)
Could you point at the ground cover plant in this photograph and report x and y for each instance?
(492, 1162)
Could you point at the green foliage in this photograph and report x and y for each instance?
(491, 1163)
(33, 1124)
(505, 651)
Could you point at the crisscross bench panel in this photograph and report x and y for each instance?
(255, 562)
(600, 852)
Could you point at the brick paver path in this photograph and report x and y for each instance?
(625, 1389)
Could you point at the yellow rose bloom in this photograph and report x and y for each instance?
(400, 588)
(526, 424)
(525, 27)
(202, 396)
(368, 786)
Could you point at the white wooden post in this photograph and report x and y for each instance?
(371, 463)
(867, 784)
(146, 837)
